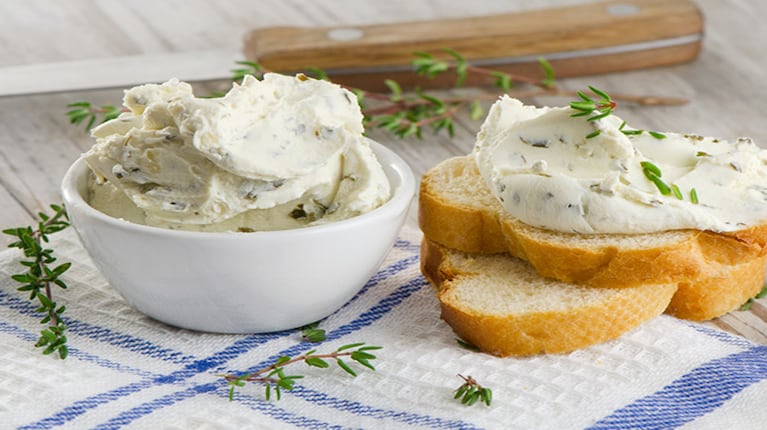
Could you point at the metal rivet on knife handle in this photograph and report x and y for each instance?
(345, 34)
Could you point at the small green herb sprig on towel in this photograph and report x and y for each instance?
(275, 379)
(470, 392)
(41, 275)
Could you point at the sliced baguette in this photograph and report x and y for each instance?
(457, 210)
(501, 305)
(723, 289)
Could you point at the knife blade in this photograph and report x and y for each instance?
(592, 38)
(116, 72)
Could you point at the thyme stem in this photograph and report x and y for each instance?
(514, 77)
(256, 376)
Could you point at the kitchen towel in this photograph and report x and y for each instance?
(126, 370)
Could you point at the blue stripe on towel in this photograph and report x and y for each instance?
(149, 349)
(693, 395)
(723, 336)
(407, 245)
(198, 366)
(357, 408)
(75, 352)
(365, 319)
(266, 407)
(381, 275)
(80, 407)
(101, 334)
(18, 332)
(321, 399)
(217, 360)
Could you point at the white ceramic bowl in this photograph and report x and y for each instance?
(240, 282)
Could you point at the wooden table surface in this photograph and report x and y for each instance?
(725, 86)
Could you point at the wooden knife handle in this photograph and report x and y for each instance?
(592, 29)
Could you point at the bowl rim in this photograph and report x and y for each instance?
(402, 195)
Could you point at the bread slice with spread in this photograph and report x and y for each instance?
(715, 272)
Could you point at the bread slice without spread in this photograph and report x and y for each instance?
(716, 272)
(501, 305)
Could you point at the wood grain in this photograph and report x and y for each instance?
(589, 31)
(724, 83)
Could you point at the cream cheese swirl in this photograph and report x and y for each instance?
(540, 165)
(286, 143)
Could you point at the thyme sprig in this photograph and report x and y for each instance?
(409, 114)
(41, 275)
(586, 105)
(275, 379)
(429, 65)
(85, 112)
(247, 68)
(470, 392)
(593, 109)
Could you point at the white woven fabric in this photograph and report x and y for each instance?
(128, 371)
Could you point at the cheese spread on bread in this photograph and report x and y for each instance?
(539, 162)
(276, 153)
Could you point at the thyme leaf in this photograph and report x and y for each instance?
(676, 192)
(652, 172)
(311, 333)
(649, 166)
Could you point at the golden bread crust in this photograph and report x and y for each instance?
(724, 289)
(555, 330)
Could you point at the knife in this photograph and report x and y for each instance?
(597, 37)
(592, 38)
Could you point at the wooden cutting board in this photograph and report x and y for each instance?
(592, 38)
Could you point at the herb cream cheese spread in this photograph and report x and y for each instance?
(278, 153)
(546, 172)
